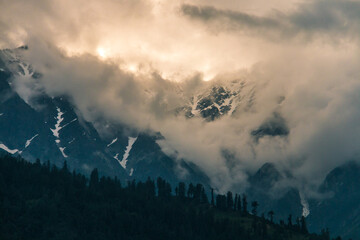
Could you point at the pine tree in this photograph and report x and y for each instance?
(254, 206)
(191, 190)
(204, 198)
(290, 220)
(221, 202)
(244, 204)
(65, 166)
(235, 202)
(176, 191)
(298, 224)
(199, 194)
(94, 179)
(229, 200)
(212, 197)
(182, 190)
(303, 225)
(239, 203)
(150, 188)
(271, 215)
(325, 234)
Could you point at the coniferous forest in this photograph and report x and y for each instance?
(41, 201)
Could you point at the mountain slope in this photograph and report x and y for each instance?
(47, 127)
(264, 187)
(340, 207)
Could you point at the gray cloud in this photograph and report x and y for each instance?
(330, 19)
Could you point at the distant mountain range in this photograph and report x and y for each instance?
(52, 128)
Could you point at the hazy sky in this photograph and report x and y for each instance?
(135, 61)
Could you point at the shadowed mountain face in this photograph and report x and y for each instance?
(217, 101)
(53, 131)
(146, 158)
(265, 187)
(274, 126)
(266, 177)
(232, 99)
(340, 208)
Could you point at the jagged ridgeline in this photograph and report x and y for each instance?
(41, 201)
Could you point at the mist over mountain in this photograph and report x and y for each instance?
(247, 97)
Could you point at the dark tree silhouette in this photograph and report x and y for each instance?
(235, 202)
(191, 190)
(221, 202)
(303, 225)
(244, 204)
(229, 200)
(212, 197)
(94, 179)
(239, 203)
(164, 188)
(254, 206)
(182, 190)
(44, 202)
(290, 220)
(271, 215)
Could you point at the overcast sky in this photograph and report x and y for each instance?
(135, 61)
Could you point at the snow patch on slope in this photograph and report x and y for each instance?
(28, 142)
(4, 147)
(305, 204)
(124, 160)
(62, 149)
(57, 128)
(27, 73)
(117, 158)
(194, 111)
(112, 142)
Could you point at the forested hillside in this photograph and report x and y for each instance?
(41, 201)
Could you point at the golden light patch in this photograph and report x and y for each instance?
(102, 52)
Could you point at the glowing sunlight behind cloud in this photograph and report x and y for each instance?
(101, 52)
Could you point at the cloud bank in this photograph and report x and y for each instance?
(138, 62)
(336, 20)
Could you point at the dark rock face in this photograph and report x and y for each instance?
(41, 133)
(212, 105)
(146, 158)
(274, 126)
(266, 177)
